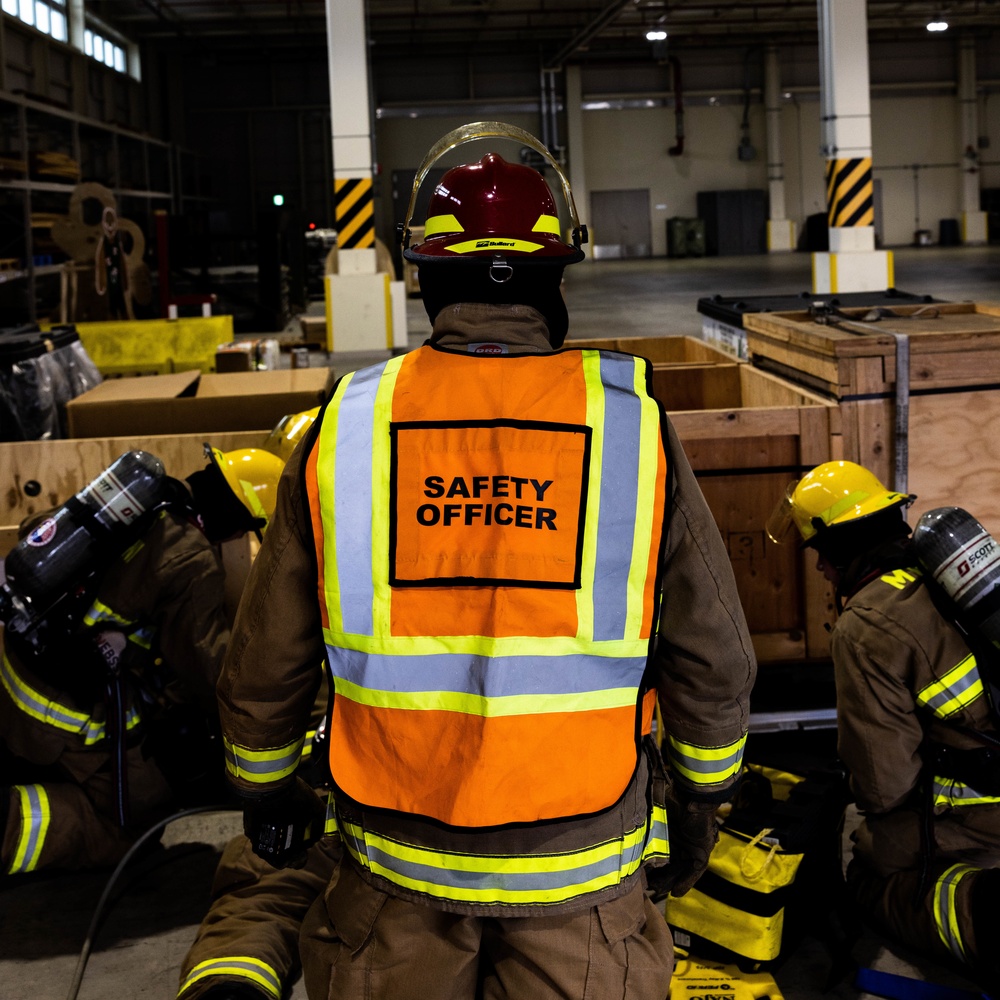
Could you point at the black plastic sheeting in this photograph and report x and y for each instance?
(39, 374)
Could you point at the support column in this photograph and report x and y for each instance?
(852, 263)
(359, 301)
(780, 230)
(574, 145)
(973, 219)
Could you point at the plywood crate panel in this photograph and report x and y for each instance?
(667, 350)
(44, 474)
(952, 453)
(754, 434)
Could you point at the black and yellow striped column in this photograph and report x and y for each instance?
(849, 192)
(354, 212)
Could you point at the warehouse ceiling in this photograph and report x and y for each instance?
(560, 30)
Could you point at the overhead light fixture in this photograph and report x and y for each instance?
(656, 35)
(939, 24)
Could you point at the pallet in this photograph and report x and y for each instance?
(950, 453)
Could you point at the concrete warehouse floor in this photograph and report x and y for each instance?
(155, 912)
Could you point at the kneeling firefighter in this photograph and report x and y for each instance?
(114, 631)
(917, 728)
(496, 544)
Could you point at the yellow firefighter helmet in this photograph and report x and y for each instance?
(833, 493)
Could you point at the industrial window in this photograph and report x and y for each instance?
(49, 17)
(104, 50)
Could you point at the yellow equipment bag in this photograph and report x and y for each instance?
(736, 911)
(696, 979)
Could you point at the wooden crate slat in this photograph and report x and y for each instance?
(60, 468)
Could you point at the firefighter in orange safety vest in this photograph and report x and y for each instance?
(916, 729)
(498, 547)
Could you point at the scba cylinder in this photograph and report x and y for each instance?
(106, 513)
(964, 559)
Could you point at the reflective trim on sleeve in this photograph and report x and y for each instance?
(241, 966)
(959, 687)
(262, 766)
(950, 792)
(706, 765)
(945, 916)
(35, 817)
(51, 713)
(98, 613)
(330, 823)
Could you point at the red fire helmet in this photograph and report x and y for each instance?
(493, 208)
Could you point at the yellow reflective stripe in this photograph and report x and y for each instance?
(326, 468)
(843, 504)
(253, 501)
(136, 547)
(99, 612)
(262, 766)
(658, 844)
(482, 645)
(35, 817)
(330, 823)
(649, 438)
(51, 713)
(497, 707)
(959, 687)
(240, 966)
(706, 765)
(546, 224)
(495, 243)
(462, 868)
(955, 793)
(382, 498)
(442, 224)
(591, 363)
(945, 914)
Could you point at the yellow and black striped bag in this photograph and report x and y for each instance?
(781, 826)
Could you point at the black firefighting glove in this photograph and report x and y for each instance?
(282, 826)
(694, 831)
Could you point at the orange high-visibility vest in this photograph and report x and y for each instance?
(488, 533)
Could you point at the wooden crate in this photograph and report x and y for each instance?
(754, 434)
(44, 474)
(670, 350)
(952, 453)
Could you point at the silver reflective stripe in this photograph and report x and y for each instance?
(717, 763)
(619, 496)
(955, 684)
(270, 764)
(353, 500)
(945, 915)
(35, 704)
(950, 792)
(241, 966)
(35, 815)
(490, 677)
(528, 880)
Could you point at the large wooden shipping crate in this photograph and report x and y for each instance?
(747, 435)
(940, 437)
(668, 350)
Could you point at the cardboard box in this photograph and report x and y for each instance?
(190, 402)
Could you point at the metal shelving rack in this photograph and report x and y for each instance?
(144, 174)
